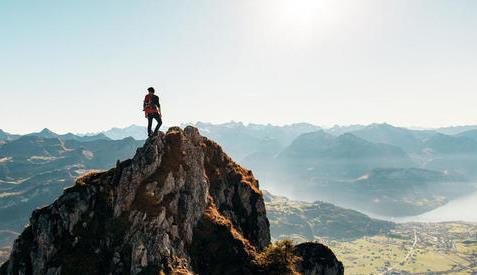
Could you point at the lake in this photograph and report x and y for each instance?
(461, 209)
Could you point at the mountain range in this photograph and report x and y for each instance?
(319, 165)
(309, 162)
(379, 169)
(35, 168)
(180, 205)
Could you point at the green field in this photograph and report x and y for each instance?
(370, 246)
(414, 248)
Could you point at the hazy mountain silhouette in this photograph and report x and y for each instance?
(316, 220)
(472, 134)
(319, 165)
(135, 131)
(338, 130)
(240, 140)
(70, 136)
(313, 164)
(319, 154)
(445, 144)
(454, 130)
(47, 133)
(408, 140)
(454, 154)
(34, 169)
(5, 137)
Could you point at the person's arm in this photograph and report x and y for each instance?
(158, 105)
(144, 107)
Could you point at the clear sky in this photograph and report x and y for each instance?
(83, 66)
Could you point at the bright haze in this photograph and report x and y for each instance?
(83, 66)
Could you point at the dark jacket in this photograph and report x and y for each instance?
(151, 104)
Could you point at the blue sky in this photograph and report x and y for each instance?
(83, 66)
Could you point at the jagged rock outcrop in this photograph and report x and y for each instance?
(180, 206)
(317, 259)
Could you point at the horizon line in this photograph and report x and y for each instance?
(246, 124)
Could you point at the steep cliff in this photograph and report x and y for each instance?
(180, 206)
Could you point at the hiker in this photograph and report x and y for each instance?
(152, 109)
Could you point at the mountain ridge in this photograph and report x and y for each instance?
(308, 221)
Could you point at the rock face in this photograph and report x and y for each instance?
(180, 206)
(317, 259)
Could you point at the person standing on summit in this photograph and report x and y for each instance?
(152, 109)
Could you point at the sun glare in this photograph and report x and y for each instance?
(301, 19)
(296, 13)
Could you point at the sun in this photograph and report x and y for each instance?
(294, 14)
(303, 18)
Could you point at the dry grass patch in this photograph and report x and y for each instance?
(86, 177)
(278, 258)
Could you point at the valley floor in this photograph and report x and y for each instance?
(413, 248)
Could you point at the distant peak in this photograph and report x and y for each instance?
(381, 125)
(47, 131)
(101, 135)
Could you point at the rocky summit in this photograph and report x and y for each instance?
(179, 206)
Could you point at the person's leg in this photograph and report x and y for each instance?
(149, 124)
(159, 123)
